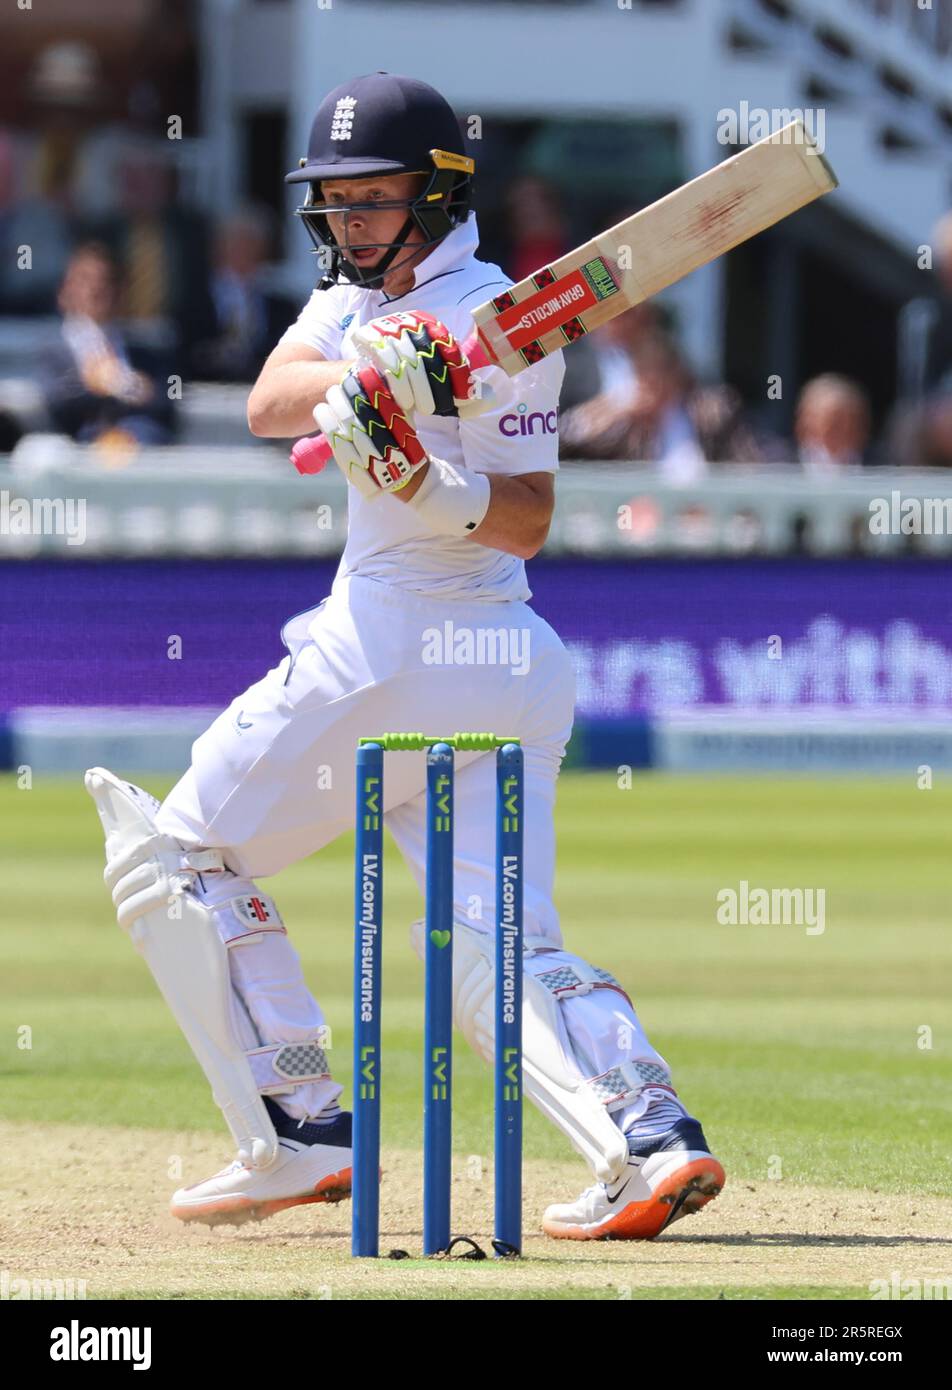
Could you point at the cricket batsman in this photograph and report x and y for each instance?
(450, 483)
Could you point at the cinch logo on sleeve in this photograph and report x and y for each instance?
(522, 421)
(347, 320)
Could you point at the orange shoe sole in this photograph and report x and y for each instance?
(681, 1193)
(235, 1211)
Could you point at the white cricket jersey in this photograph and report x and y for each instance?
(387, 541)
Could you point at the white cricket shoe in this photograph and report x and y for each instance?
(678, 1178)
(301, 1173)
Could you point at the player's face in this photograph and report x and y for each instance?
(364, 233)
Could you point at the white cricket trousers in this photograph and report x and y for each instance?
(273, 778)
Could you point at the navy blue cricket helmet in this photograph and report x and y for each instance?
(384, 124)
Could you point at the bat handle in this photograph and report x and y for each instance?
(475, 353)
(310, 455)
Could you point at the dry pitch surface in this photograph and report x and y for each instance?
(90, 1204)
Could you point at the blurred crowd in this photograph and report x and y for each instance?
(649, 406)
(97, 233)
(139, 289)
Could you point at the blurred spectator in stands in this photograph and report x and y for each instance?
(937, 435)
(832, 425)
(603, 362)
(650, 425)
(64, 100)
(724, 433)
(667, 419)
(536, 226)
(98, 387)
(939, 363)
(248, 319)
(29, 276)
(925, 326)
(921, 435)
(11, 431)
(163, 247)
(616, 346)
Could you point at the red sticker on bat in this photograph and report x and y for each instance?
(532, 318)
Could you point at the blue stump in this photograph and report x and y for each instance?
(438, 1041)
(510, 793)
(368, 959)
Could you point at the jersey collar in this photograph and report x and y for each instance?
(457, 246)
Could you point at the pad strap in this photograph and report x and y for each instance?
(567, 981)
(618, 1087)
(279, 1066)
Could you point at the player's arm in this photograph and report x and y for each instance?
(414, 366)
(519, 514)
(291, 383)
(374, 443)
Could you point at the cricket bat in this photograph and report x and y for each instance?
(637, 258)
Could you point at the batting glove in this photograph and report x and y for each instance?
(372, 439)
(423, 365)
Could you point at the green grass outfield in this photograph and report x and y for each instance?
(793, 1048)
